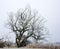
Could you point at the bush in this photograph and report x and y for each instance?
(2, 44)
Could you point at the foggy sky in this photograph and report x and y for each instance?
(50, 9)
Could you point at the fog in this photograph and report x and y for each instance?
(50, 9)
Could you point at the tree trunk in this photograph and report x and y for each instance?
(17, 42)
(20, 44)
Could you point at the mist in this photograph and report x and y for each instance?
(50, 9)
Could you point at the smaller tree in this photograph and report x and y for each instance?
(26, 22)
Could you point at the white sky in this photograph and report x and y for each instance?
(47, 8)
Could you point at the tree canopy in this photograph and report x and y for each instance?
(26, 23)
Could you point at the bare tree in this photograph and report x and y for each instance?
(25, 24)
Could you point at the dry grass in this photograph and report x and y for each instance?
(43, 46)
(4, 45)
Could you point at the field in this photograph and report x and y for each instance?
(41, 46)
